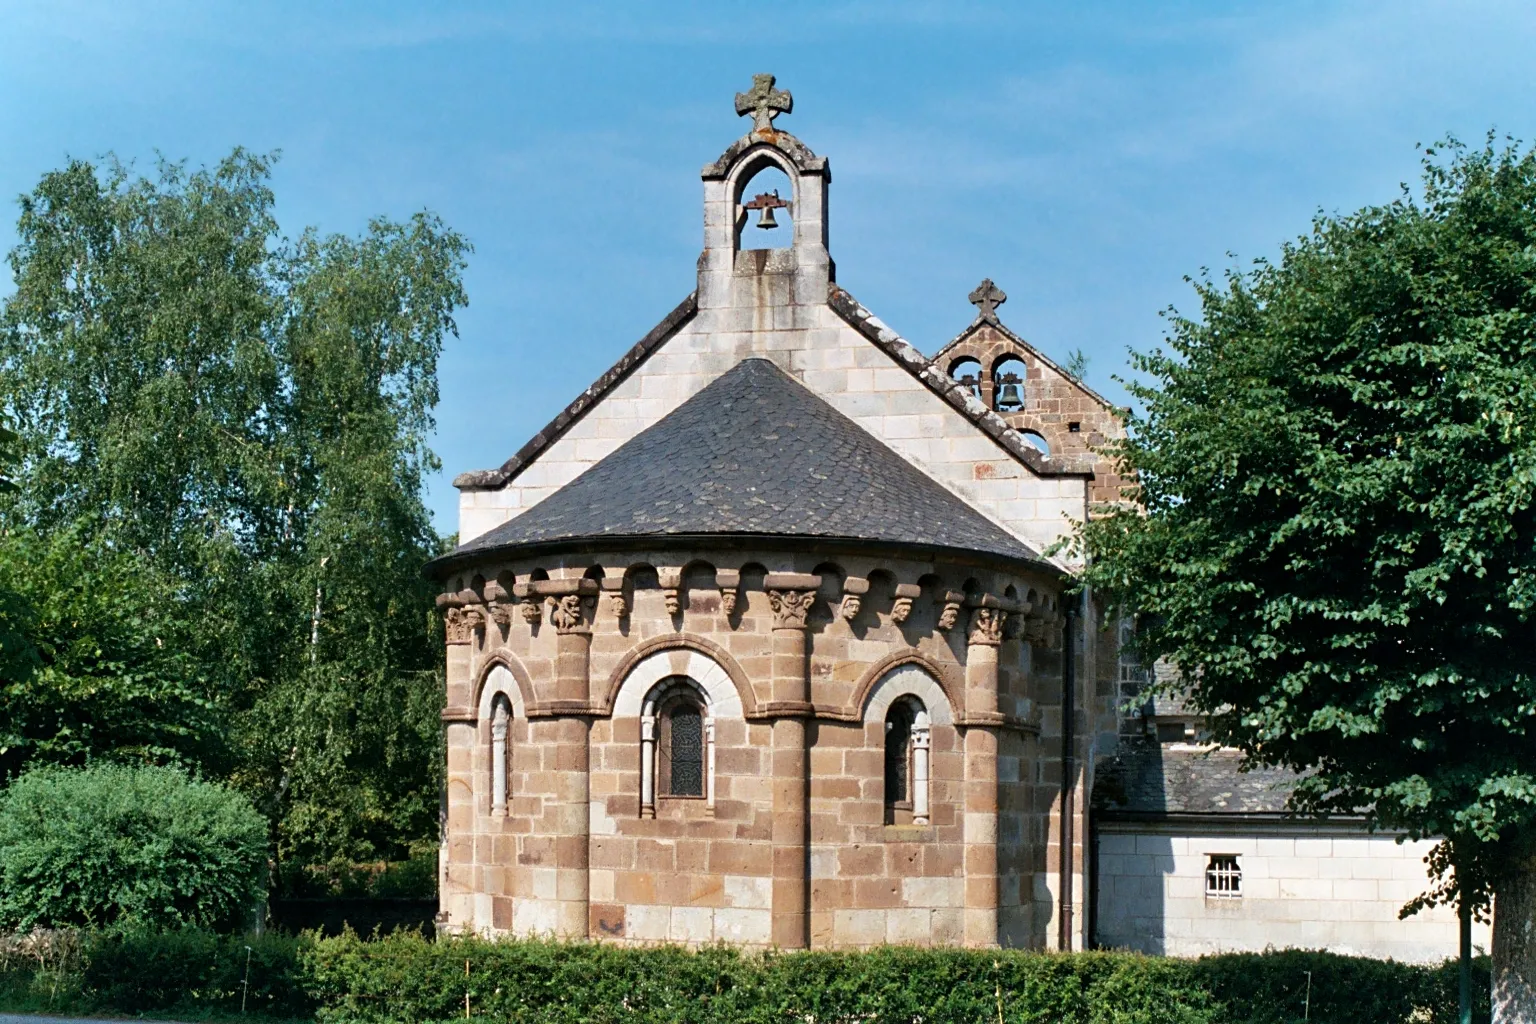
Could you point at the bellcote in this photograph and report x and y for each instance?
(725, 267)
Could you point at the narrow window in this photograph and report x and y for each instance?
(1223, 876)
(686, 756)
(898, 748)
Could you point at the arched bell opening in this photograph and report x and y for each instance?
(967, 373)
(1036, 441)
(765, 210)
(1008, 384)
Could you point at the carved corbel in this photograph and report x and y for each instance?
(790, 595)
(531, 604)
(671, 589)
(854, 589)
(901, 608)
(618, 602)
(950, 603)
(729, 582)
(498, 604)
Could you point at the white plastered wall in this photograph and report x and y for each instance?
(835, 362)
(1302, 888)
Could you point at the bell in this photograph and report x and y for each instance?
(765, 219)
(1011, 396)
(971, 383)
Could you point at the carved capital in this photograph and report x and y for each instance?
(987, 626)
(474, 617)
(790, 607)
(570, 613)
(456, 626)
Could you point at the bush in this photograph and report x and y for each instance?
(193, 974)
(404, 978)
(117, 844)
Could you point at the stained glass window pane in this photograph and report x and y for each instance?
(687, 762)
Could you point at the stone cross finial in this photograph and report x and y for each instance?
(763, 102)
(987, 297)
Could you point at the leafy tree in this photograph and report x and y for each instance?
(97, 664)
(1333, 530)
(117, 844)
(248, 415)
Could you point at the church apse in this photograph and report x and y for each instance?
(688, 783)
(785, 640)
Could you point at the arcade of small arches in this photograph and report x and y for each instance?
(570, 603)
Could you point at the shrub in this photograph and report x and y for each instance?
(193, 974)
(117, 844)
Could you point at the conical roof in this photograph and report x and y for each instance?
(754, 453)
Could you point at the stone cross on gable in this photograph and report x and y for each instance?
(763, 102)
(987, 297)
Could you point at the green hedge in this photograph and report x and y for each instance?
(407, 979)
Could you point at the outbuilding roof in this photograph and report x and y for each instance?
(1145, 778)
(755, 453)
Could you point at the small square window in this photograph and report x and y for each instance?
(1074, 427)
(1223, 876)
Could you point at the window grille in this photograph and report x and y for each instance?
(1223, 876)
(687, 751)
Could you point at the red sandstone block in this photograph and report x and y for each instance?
(853, 861)
(634, 887)
(739, 858)
(876, 893)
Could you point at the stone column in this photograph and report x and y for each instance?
(790, 595)
(981, 745)
(457, 881)
(571, 610)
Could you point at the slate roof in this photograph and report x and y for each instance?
(1149, 778)
(755, 453)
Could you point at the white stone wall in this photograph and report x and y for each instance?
(842, 367)
(1304, 887)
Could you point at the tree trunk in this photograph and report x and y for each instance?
(1514, 948)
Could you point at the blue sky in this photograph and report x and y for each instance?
(1085, 156)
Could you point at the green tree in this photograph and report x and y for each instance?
(1333, 530)
(96, 666)
(249, 415)
(117, 844)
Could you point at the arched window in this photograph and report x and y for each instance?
(682, 747)
(501, 719)
(906, 762)
(677, 745)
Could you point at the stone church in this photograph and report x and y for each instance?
(761, 640)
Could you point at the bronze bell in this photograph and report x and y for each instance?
(1010, 396)
(765, 219)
